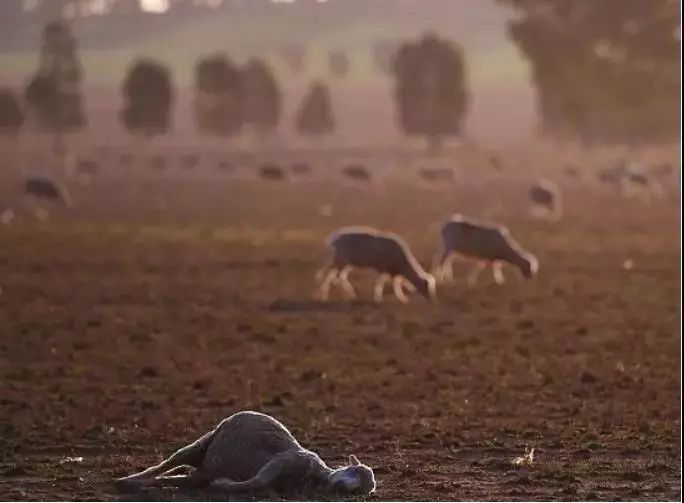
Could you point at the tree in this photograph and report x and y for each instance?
(339, 64)
(54, 92)
(315, 116)
(262, 98)
(605, 72)
(11, 114)
(431, 88)
(148, 97)
(218, 96)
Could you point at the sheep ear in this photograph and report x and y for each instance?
(353, 460)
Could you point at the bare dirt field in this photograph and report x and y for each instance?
(133, 323)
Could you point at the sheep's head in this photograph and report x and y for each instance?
(424, 284)
(529, 266)
(356, 478)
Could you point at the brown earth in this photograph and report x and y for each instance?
(135, 322)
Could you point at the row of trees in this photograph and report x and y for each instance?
(430, 93)
(605, 71)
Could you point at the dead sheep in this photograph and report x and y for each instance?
(386, 253)
(250, 451)
(487, 244)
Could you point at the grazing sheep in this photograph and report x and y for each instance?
(44, 187)
(485, 243)
(250, 451)
(158, 163)
(546, 197)
(387, 253)
(272, 172)
(357, 173)
(433, 175)
(126, 159)
(87, 167)
(301, 169)
(225, 166)
(189, 161)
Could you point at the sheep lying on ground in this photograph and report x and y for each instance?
(250, 451)
(387, 253)
(485, 243)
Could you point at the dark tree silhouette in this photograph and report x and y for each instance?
(431, 91)
(54, 93)
(262, 98)
(604, 71)
(315, 116)
(218, 96)
(148, 97)
(339, 64)
(11, 113)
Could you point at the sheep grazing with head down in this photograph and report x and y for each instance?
(250, 451)
(388, 254)
(545, 195)
(487, 244)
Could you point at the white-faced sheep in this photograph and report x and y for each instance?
(386, 253)
(547, 200)
(250, 451)
(487, 244)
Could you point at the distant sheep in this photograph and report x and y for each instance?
(301, 169)
(487, 244)
(87, 167)
(386, 253)
(546, 197)
(357, 173)
(272, 172)
(126, 159)
(189, 161)
(434, 175)
(44, 187)
(250, 451)
(158, 163)
(225, 166)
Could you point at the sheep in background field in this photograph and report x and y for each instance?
(357, 173)
(388, 254)
(250, 451)
(546, 199)
(485, 243)
(44, 187)
(272, 172)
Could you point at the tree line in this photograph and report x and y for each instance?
(605, 72)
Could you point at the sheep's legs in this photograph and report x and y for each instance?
(497, 271)
(442, 265)
(475, 273)
(343, 278)
(379, 288)
(398, 291)
(324, 289)
(190, 455)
